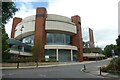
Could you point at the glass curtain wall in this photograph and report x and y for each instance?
(75, 55)
(51, 53)
(29, 40)
(58, 39)
(52, 39)
(64, 55)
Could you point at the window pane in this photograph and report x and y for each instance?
(56, 38)
(29, 40)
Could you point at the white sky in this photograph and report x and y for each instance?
(99, 15)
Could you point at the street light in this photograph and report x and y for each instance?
(96, 55)
(19, 47)
(21, 32)
(91, 46)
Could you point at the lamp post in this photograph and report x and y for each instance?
(113, 56)
(21, 32)
(20, 46)
(91, 47)
(96, 55)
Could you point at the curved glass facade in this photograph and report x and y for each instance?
(29, 40)
(55, 39)
(58, 39)
(52, 39)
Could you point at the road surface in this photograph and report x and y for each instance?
(67, 71)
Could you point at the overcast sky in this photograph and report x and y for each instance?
(99, 15)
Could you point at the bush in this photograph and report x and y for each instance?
(16, 61)
(104, 69)
(118, 63)
(112, 66)
(51, 60)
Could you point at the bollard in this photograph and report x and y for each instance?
(84, 67)
(100, 71)
(17, 64)
(36, 63)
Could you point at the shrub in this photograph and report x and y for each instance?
(51, 60)
(112, 66)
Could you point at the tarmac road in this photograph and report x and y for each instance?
(66, 71)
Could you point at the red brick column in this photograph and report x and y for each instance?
(77, 38)
(91, 38)
(16, 20)
(40, 34)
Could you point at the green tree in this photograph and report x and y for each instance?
(118, 44)
(97, 50)
(94, 50)
(108, 48)
(5, 47)
(36, 51)
(114, 65)
(8, 10)
(86, 50)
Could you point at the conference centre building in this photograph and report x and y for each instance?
(58, 38)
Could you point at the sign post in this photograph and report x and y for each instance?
(113, 56)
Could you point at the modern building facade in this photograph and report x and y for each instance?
(88, 38)
(19, 49)
(118, 19)
(59, 37)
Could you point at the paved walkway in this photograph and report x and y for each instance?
(95, 71)
(54, 64)
(50, 65)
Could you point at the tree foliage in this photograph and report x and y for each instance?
(97, 50)
(108, 50)
(94, 50)
(5, 47)
(37, 51)
(8, 10)
(113, 66)
(118, 44)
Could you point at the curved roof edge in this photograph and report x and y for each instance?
(53, 17)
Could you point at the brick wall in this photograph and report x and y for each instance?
(16, 20)
(77, 38)
(40, 34)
